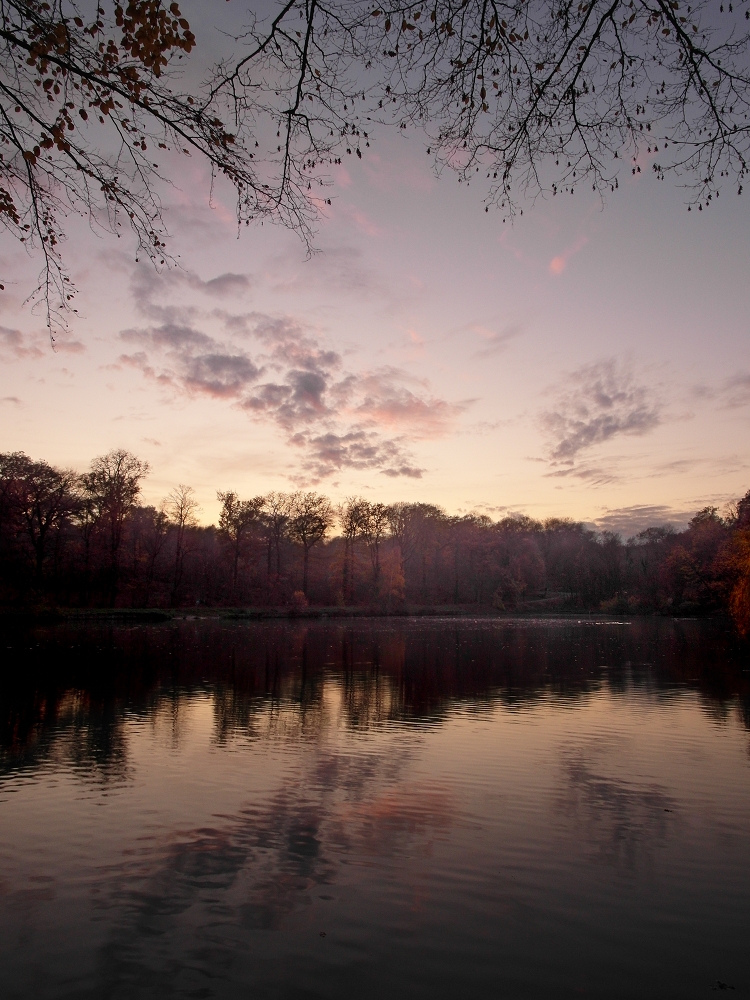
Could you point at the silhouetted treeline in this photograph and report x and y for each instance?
(86, 540)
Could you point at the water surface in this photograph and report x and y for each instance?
(418, 808)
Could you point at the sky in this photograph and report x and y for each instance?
(588, 361)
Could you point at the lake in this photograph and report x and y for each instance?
(373, 808)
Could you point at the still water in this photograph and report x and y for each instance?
(377, 808)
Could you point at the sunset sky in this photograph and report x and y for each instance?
(588, 362)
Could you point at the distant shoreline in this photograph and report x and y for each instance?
(43, 616)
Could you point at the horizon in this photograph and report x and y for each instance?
(428, 351)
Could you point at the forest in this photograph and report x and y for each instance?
(86, 540)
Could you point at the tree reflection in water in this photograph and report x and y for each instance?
(387, 781)
(65, 689)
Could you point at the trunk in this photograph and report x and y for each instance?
(39, 553)
(345, 579)
(351, 572)
(177, 567)
(149, 581)
(114, 554)
(305, 561)
(86, 565)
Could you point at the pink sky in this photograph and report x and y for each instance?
(584, 362)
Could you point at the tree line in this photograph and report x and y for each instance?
(87, 540)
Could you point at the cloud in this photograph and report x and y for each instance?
(595, 475)
(14, 344)
(69, 346)
(496, 340)
(14, 400)
(277, 370)
(193, 362)
(595, 404)
(404, 470)
(224, 284)
(300, 400)
(384, 399)
(558, 264)
(736, 390)
(628, 521)
(327, 453)
(336, 268)
(730, 393)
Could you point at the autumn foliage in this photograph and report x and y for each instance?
(88, 540)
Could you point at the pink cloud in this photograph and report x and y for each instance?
(558, 264)
(361, 220)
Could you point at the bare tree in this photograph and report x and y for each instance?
(44, 497)
(526, 96)
(112, 486)
(12, 465)
(351, 515)
(235, 520)
(275, 515)
(88, 105)
(312, 516)
(180, 506)
(154, 539)
(401, 525)
(374, 526)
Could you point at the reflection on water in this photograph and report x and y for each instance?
(442, 808)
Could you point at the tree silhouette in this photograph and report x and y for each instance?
(235, 520)
(312, 517)
(276, 511)
(181, 508)
(529, 97)
(45, 496)
(112, 486)
(374, 527)
(352, 514)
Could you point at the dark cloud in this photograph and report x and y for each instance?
(337, 419)
(193, 361)
(595, 404)
(173, 336)
(16, 345)
(329, 452)
(628, 521)
(219, 374)
(11, 399)
(593, 474)
(223, 284)
(285, 341)
(404, 470)
(298, 401)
